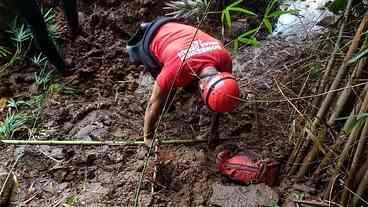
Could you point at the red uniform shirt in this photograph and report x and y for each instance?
(170, 45)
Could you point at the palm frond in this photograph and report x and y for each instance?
(186, 8)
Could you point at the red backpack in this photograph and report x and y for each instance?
(242, 169)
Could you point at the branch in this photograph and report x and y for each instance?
(317, 203)
(82, 142)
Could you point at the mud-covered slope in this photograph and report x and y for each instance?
(108, 107)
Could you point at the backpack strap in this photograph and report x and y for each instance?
(139, 45)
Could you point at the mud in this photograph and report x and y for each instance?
(109, 105)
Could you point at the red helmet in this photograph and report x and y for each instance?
(220, 93)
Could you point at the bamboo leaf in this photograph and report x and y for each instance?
(248, 33)
(270, 6)
(362, 115)
(353, 124)
(250, 41)
(236, 3)
(361, 55)
(236, 45)
(227, 18)
(268, 25)
(242, 10)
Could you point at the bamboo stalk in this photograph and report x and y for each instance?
(342, 70)
(336, 147)
(295, 152)
(334, 52)
(360, 174)
(328, 157)
(362, 187)
(82, 142)
(341, 160)
(328, 100)
(355, 163)
(347, 147)
(343, 98)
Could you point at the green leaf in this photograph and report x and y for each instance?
(270, 6)
(48, 15)
(279, 13)
(362, 54)
(336, 6)
(268, 25)
(234, 4)
(362, 116)
(248, 33)
(244, 11)
(355, 122)
(236, 45)
(4, 52)
(225, 18)
(11, 123)
(250, 41)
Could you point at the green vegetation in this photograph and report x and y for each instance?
(52, 26)
(72, 200)
(11, 123)
(4, 52)
(23, 112)
(249, 37)
(187, 9)
(21, 38)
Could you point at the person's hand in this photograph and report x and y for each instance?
(147, 141)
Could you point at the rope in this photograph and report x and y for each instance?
(166, 105)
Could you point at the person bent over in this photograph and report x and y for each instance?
(178, 55)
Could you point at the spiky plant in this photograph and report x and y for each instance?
(43, 77)
(53, 27)
(39, 59)
(186, 8)
(4, 52)
(17, 104)
(11, 123)
(19, 33)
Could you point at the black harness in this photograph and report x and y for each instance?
(138, 46)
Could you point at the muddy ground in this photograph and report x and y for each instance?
(110, 105)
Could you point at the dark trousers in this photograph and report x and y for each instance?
(30, 11)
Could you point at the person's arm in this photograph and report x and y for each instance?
(153, 111)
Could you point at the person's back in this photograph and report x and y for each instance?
(170, 45)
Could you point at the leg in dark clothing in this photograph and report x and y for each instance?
(31, 12)
(71, 14)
